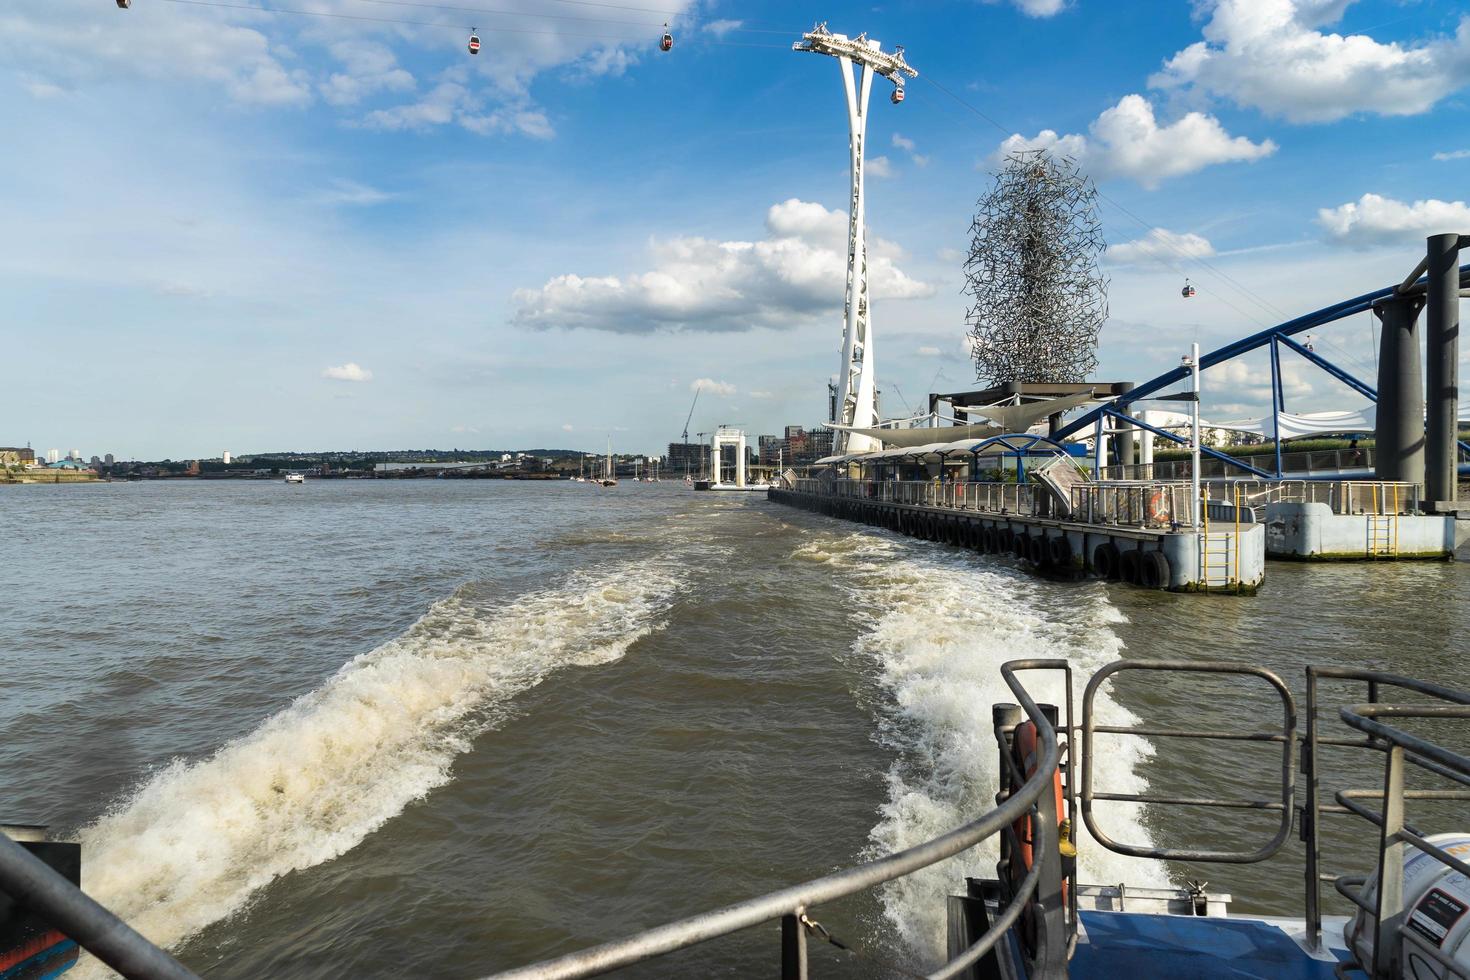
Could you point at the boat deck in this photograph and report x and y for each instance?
(1127, 944)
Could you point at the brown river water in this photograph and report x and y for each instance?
(441, 728)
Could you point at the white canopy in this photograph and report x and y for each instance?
(1019, 418)
(920, 437)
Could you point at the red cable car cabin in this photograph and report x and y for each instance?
(124, 4)
(1187, 291)
(667, 44)
(897, 95)
(474, 44)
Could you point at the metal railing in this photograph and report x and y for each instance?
(1149, 504)
(1343, 496)
(1326, 461)
(1395, 832)
(1285, 736)
(1134, 504)
(792, 905)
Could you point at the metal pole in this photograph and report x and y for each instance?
(1194, 430)
(1442, 339)
(1125, 432)
(1278, 401)
(1398, 430)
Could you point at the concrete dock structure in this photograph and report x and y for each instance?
(1122, 532)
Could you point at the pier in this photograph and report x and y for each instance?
(1125, 532)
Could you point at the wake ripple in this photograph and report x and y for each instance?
(198, 839)
(936, 626)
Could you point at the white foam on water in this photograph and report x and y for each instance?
(936, 626)
(193, 843)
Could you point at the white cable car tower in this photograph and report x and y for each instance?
(857, 379)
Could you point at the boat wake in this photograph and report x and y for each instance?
(935, 627)
(198, 839)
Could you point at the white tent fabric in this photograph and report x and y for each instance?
(1019, 418)
(920, 437)
(1303, 426)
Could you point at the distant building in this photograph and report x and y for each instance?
(688, 457)
(17, 456)
(225, 458)
(803, 448)
(74, 454)
(96, 461)
(770, 453)
(53, 456)
(108, 459)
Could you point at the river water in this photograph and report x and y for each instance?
(439, 728)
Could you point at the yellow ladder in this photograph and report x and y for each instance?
(1222, 555)
(1383, 528)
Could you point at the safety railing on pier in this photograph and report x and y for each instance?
(1326, 462)
(1133, 504)
(1377, 497)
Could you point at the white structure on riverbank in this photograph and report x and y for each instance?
(857, 398)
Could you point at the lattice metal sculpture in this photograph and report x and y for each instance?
(1039, 299)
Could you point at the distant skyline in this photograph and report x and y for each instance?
(230, 229)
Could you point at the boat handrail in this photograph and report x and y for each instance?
(792, 904)
(52, 897)
(1285, 736)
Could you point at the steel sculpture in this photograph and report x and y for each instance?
(1039, 298)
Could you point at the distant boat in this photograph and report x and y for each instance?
(295, 478)
(610, 476)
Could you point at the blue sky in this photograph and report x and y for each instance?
(235, 230)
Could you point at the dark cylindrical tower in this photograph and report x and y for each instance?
(1399, 428)
(1442, 347)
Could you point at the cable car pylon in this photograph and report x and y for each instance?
(857, 399)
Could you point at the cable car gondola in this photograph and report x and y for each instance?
(897, 95)
(667, 43)
(124, 4)
(474, 42)
(1187, 291)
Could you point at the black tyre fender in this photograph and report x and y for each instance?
(1105, 559)
(1154, 571)
(1129, 564)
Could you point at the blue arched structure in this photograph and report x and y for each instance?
(1273, 337)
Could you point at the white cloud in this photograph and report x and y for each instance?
(879, 166)
(453, 102)
(1036, 8)
(761, 394)
(719, 28)
(567, 427)
(722, 388)
(1271, 55)
(246, 63)
(1376, 220)
(368, 68)
(797, 271)
(1452, 155)
(951, 255)
(347, 372)
(1127, 141)
(352, 65)
(350, 192)
(463, 429)
(912, 149)
(1161, 244)
(928, 352)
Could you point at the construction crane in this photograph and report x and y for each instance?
(687, 418)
